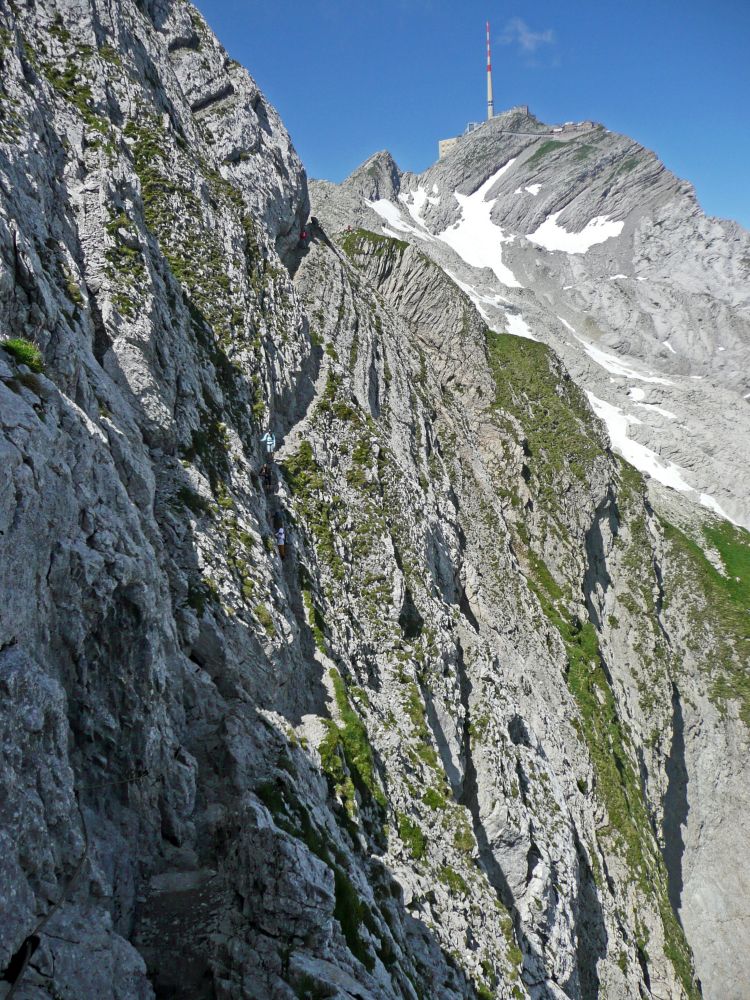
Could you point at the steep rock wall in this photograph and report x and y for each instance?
(412, 759)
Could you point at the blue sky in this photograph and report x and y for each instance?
(350, 77)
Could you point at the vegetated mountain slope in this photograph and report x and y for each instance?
(582, 239)
(449, 747)
(613, 578)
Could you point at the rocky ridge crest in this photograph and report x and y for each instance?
(582, 239)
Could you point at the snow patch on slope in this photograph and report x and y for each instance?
(415, 203)
(517, 325)
(708, 501)
(475, 237)
(638, 395)
(643, 458)
(612, 364)
(392, 215)
(653, 408)
(479, 300)
(388, 211)
(550, 236)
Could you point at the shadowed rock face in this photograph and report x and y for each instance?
(486, 722)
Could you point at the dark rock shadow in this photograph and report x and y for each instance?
(441, 567)
(373, 385)
(409, 619)
(591, 931)
(597, 574)
(676, 806)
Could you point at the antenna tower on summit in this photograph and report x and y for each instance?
(490, 101)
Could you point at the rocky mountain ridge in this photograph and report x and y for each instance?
(585, 241)
(481, 733)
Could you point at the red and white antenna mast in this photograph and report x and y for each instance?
(490, 101)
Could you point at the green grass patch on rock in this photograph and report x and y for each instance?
(412, 835)
(70, 84)
(450, 877)
(362, 241)
(346, 755)
(291, 815)
(314, 617)
(351, 913)
(546, 147)
(617, 782)
(307, 483)
(434, 799)
(723, 605)
(561, 435)
(24, 352)
(264, 617)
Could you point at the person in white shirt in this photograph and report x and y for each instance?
(269, 440)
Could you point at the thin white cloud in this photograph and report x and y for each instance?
(517, 32)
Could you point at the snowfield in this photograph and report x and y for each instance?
(475, 237)
(550, 236)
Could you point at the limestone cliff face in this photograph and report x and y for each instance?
(480, 734)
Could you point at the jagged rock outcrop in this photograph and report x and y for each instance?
(480, 734)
